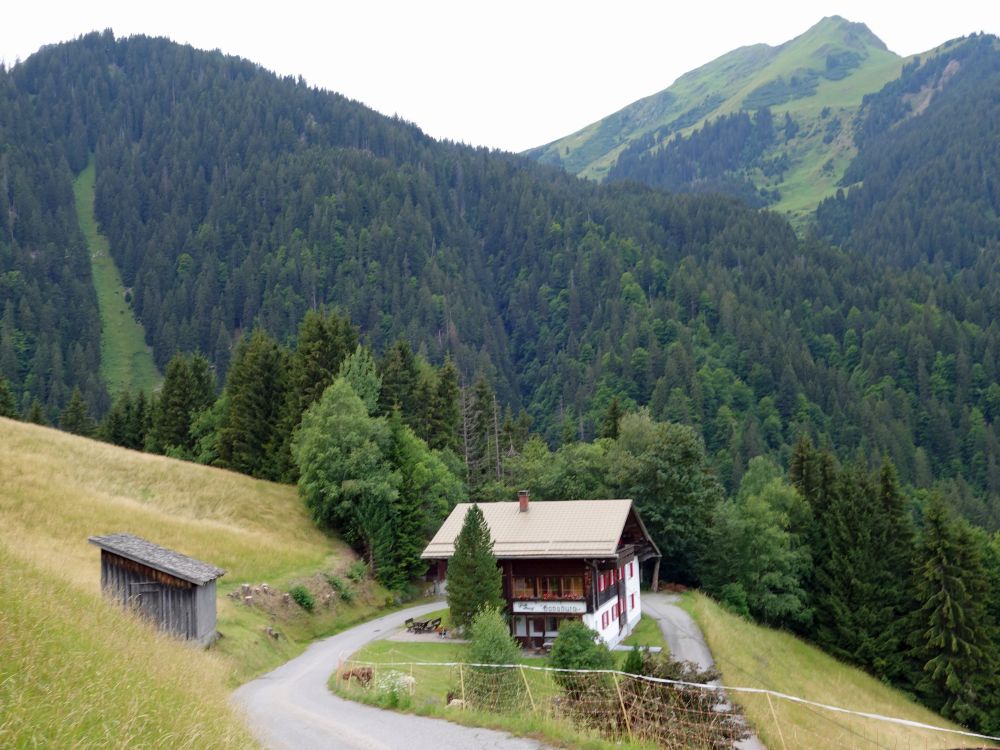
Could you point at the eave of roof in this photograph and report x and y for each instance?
(153, 555)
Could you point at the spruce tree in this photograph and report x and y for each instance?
(474, 578)
(250, 438)
(952, 635)
(74, 417)
(7, 406)
(113, 428)
(324, 342)
(609, 427)
(446, 416)
(398, 369)
(172, 418)
(360, 372)
(36, 413)
(139, 423)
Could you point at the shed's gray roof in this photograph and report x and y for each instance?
(145, 552)
(564, 528)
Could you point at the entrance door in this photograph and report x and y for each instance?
(147, 598)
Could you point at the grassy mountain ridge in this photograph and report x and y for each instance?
(832, 65)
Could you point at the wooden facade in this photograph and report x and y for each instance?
(173, 591)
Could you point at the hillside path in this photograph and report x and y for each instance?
(685, 641)
(292, 708)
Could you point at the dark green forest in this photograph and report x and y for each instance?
(233, 199)
(713, 159)
(807, 424)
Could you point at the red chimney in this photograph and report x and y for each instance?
(522, 498)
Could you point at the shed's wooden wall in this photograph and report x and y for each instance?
(173, 604)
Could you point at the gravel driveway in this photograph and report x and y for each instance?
(685, 640)
(291, 708)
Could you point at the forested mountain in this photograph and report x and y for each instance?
(925, 185)
(233, 198)
(693, 136)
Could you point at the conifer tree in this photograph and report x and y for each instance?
(7, 406)
(324, 342)
(360, 372)
(250, 437)
(139, 423)
(399, 380)
(74, 417)
(36, 414)
(188, 389)
(609, 427)
(474, 578)
(113, 428)
(952, 637)
(446, 415)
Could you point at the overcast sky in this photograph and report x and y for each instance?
(508, 74)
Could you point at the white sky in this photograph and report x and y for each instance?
(509, 74)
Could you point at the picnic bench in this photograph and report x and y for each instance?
(423, 626)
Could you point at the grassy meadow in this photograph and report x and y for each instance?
(59, 638)
(126, 361)
(753, 656)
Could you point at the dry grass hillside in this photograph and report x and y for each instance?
(77, 671)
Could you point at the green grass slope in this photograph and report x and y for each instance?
(756, 657)
(126, 361)
(77, 671)
(801, 77)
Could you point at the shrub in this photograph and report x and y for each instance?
(336, 582)
(633, 662)
(498, 689)
(357, 571)
(578, 647)
(347, 594)
(303, 598)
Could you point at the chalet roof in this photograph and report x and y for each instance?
(562, 528)
(145, 552)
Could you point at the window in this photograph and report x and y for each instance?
(631, 570)
(523, 587)
(633, 601)
(600, 582)
(604, 620)
(572, 587)
(551, 625)
(520, 627)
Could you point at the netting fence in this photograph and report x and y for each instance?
(634, 710)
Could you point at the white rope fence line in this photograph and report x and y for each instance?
(703, 686)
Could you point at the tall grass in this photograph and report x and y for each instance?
(126, 361)
(753, 656)
(76, 670)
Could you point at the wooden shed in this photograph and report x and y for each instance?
(175, 591)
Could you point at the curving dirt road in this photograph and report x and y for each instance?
(291, 708)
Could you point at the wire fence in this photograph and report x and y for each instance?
(642, 711)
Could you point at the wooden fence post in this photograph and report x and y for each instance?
(621, 702)
(527, 687)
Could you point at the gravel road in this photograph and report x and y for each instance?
(291, 708)
(685, 640)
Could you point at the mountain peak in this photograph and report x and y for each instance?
(851, 33)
